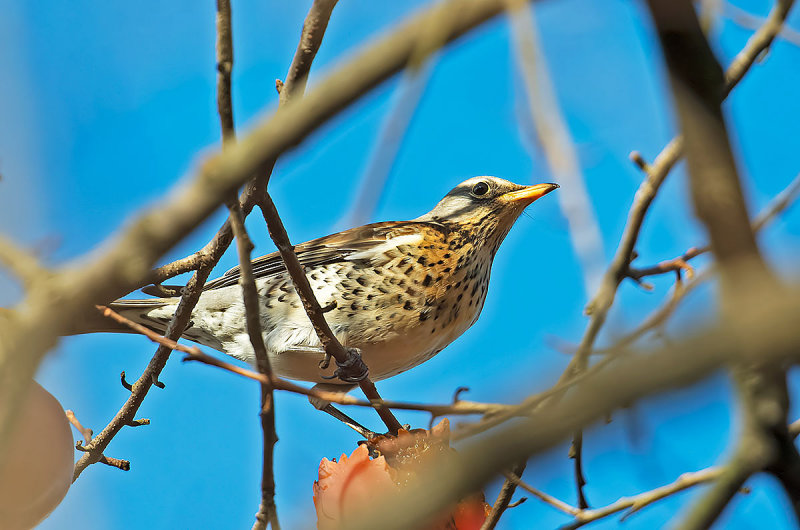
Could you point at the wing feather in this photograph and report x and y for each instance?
(356, 244)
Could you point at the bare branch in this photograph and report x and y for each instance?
(637, 502)
(149, 333)
(459, 407)
(314, 27)
(549, 499)
(503, 498)
(267, 512)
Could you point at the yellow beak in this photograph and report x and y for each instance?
(530, 193)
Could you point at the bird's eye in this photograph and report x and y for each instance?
(480, 189)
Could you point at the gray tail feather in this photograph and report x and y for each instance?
(96, 322)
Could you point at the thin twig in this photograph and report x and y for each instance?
(147, 332)
(459, 407)
(310, 40)
(503, 498)
(637, 502)
(558, 504)
(86, 433)
(267, 512)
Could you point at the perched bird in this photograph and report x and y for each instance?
(399, 291)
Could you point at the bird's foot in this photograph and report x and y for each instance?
(353, 370)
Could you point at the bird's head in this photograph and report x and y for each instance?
(485, 207)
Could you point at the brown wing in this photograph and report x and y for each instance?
(329, 249)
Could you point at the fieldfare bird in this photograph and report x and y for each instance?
(400, 291)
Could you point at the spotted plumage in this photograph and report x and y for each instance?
(398, 291)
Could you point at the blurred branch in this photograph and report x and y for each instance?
(698, 88)
(387, 146)
(552, 133)
(503, 498)
(749, 21)
(293, 87)
(411, 89)
(22, 263)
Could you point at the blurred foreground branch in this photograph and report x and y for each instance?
(698, 87)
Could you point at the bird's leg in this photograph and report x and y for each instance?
(350, 422)
(325, 406)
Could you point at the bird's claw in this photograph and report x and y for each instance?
(352, 370)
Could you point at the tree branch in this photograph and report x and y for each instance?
(698, 87)
(459, 407)
(503, 498)
(314, 27)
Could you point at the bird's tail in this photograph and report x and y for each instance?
(136, 310)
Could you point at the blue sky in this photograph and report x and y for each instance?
(107, 105)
